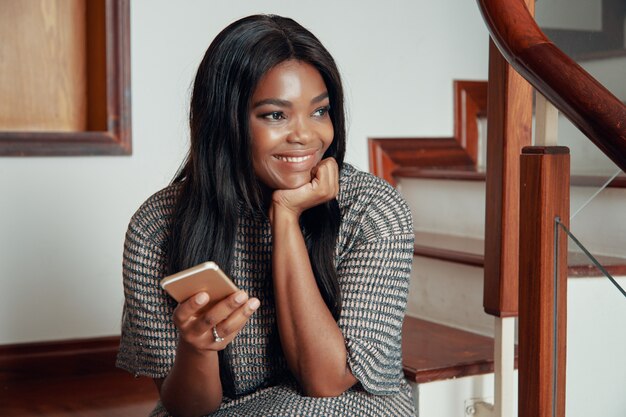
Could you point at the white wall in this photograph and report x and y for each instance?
(63, 220)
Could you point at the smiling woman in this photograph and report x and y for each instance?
(321, 252)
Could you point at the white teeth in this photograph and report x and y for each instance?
(293, 158)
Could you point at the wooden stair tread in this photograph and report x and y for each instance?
(470, 173)
(433, 352)
(101, 394)
(460, 249)
(470, 251)
(461, 173)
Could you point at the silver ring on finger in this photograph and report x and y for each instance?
(217, 336)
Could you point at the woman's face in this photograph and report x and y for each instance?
(290, 124)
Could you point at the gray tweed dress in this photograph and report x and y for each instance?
(373, 259)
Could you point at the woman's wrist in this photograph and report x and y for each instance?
(193, 385)
(279, 212)
(187, 350)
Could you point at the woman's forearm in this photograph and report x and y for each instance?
(313, 343)
(193, 386)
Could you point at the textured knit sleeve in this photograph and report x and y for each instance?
(374, 273)
(149, 337)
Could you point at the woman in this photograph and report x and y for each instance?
(320, 251)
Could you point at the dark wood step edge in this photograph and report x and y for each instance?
(431, 352)
(66, 358)
(449, 255)
(579, 266)
(435, 352)
(471, 174)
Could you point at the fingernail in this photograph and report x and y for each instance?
(254, 304)
(202, 298)
(240, 298)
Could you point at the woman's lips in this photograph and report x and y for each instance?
(297, 161)
(293, 159)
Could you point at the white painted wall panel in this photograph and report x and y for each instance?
(446, 206)
(449, 293)
(63, 220)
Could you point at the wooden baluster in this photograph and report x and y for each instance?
(510, 119)
(509, 116)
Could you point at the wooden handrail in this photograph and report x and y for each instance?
(593, 109)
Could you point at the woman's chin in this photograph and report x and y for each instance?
(286, 182)
(294, 181)
(292, 185)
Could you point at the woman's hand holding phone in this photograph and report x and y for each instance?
(211, 309)
(228, 317)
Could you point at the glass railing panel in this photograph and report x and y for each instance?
(596, 306)
(597, 204)
(596, 364)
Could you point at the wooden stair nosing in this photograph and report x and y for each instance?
(449, 255)
(469, 251)
(462, 173)
(57, 359)
(471, 173)
(433, 352)
(430, 352)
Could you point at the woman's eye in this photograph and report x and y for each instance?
(275, 115)
(322, 111)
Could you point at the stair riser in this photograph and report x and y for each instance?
(450, 294)
(446, 206)
(457, 208)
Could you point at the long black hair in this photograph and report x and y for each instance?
(217, 175)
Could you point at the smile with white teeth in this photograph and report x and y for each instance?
(292, 158)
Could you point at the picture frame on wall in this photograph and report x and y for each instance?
(65, 81)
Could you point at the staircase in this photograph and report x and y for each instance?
(448, 338)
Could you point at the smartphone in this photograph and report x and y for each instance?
(205, 277)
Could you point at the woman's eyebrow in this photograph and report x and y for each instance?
(321, 97)
(274, 101)
(286, 103)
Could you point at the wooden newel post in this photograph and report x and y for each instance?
(544, 197)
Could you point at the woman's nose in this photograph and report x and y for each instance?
(302, 131)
